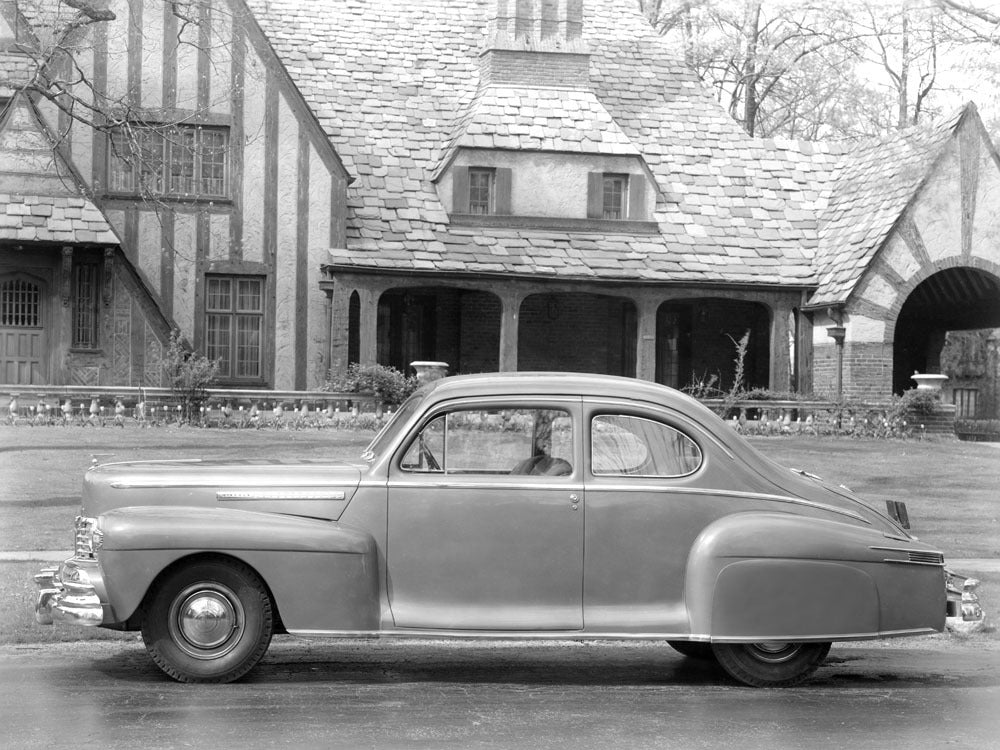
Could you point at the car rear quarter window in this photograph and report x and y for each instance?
(625, 445)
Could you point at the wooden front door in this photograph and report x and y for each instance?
(22, 333)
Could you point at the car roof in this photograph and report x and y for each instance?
(557, 383)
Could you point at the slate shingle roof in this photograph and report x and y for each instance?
(392, 83)
(871, 188)
(539, 119)
(45, 218)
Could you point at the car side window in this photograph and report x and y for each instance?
(626, 445)
(523, 441)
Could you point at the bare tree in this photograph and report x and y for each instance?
(58, 41)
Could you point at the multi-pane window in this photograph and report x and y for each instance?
(615, 190)
(85, 294)
(187, 161)
(19, 304)
(234, 325)
(481, 190)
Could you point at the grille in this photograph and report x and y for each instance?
(931, 558)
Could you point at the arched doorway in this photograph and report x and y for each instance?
(697, 340)
(451, 324)
(22, 331)
(956, 299)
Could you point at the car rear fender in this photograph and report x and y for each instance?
(776, 576)
(322, 575)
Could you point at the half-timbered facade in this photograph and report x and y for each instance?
(218, 197)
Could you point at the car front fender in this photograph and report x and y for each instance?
(322, 575)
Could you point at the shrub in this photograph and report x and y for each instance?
(918, 403)
(189, 374)
(387, 384)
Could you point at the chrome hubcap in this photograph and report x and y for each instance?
(206, 620)
(774, 652)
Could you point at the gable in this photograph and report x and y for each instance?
(42, 200)
(872, 188)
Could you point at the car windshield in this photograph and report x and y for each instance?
(391, 428)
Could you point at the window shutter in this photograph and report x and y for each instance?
(460, 190)
(595, 195)
(501, 201)
(636, 197)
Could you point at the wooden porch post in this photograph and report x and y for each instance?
(510, 304)
(340, 300)
(368, 339)
(645, 348)
(780, 365)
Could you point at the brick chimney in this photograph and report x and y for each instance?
(536, 43)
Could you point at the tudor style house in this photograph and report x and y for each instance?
(498, 184)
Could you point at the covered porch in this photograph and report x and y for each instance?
(681, 336)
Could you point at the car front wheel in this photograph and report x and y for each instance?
(770, 663)
(210, 621)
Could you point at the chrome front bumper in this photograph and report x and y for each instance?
(70, 593)
(965, 614)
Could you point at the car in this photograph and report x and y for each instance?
(525, 505)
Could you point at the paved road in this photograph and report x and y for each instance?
(933, 692)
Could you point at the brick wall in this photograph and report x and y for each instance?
(532, 68)
(572, 332)
(867, 371)
(479, 333)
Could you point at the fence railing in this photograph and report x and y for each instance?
(236, 406)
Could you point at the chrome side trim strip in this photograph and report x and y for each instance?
(580, 635)
(552, 485)
(278, 495)
(280, 484)
(729, 493)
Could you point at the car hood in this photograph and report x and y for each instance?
(318, 489)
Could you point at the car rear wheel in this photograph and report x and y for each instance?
(693, 649)
(210, 621)
(770, 663)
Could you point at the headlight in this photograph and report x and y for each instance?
(88, 538)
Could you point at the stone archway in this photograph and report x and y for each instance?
(955, 299)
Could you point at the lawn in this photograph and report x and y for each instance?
(950, 487)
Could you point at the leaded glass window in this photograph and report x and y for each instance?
(234, 325)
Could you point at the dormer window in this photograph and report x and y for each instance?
(482, 191)
(616, 196)
(615, 188)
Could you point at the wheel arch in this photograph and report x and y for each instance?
(134, 621)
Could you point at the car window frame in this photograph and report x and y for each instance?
(660, 415)
(571, 405)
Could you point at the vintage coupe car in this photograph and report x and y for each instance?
(529, 505)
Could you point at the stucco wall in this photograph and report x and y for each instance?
(547, 184)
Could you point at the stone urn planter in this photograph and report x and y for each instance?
(428, 370)
(928, 381)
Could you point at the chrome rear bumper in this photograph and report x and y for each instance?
(70, 593)
(965, 614)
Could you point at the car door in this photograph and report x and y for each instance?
(654, 481)
(486, 520)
